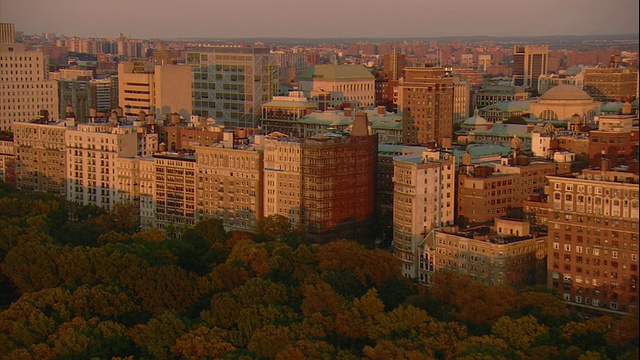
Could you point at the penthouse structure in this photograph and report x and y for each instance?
(593, 238)
(508, 253)
(24, 89)
(423, 199)
(230, 84)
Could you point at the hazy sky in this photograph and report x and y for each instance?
(321, 18)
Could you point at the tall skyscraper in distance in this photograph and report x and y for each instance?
(230, 84)
(7, 33)
(394, 62)
(529, 62)
(425, 100)
(25, 89)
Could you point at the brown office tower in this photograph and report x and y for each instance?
(338, 183)
(593, 239)
(426, 104)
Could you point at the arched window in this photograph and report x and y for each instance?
(548, 115)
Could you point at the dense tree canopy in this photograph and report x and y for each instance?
(97, 287)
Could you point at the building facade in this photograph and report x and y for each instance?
(426, 104)
(529, 62)
(230, 84)
(593, 239)
(423, 199)
(25, 88)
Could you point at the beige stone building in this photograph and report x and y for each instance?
(147, 177)
(283, 177)
(41, 156)
(423, 199)
(229, 183)
(24, 87)
(154, 88)
(92, 153)
(507, 253)
(354, 83)
(562, 102)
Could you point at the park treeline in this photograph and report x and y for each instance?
(98, 287)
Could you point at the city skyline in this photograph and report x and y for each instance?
(335, 19)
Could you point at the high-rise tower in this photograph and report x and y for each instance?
(529, 62)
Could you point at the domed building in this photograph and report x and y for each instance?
(562, 102)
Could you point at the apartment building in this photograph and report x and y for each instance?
(41, 156)
(7, 161)
(426, 103)
(423, 199)
(24, 86)
(92, 152)
(593, 239)
(174, 191)
(508, 253)
(283, 177)
(489, 190)
(229, 182)
(611, 83)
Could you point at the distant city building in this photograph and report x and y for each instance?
(94, 148)
(230, 84)
(354, 83)
(25, 88)
(529, 62)
(7, 33)
(546, 82)
(426, 104)
(492, 94)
